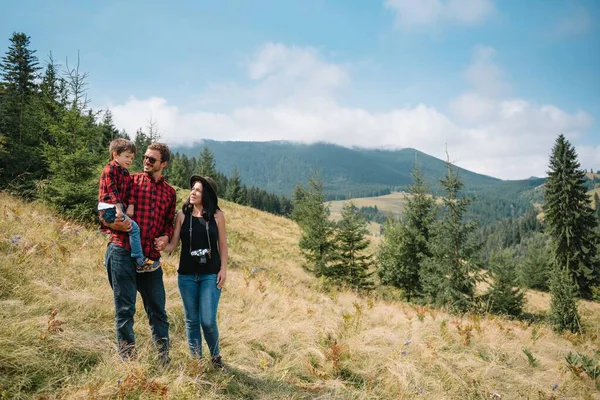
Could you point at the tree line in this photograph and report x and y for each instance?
(436, 255)
(53, 145)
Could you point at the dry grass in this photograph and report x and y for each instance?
(392, 203)
(283, 336)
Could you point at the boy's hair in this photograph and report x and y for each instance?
(165, 153)
(120, 145)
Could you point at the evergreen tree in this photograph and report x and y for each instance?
(504, 296)
(597, 206)
(181, 171)
(110, 132)
(73, 159)
(19, 127)
(235, 191)
(534, 271)
(351, 263)
(206, 163)
(312, 215)
(563, 304)
(142, 141)
(570, 219)
(449, 276)
(405, 244)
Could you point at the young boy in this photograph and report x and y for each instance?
(114, 196)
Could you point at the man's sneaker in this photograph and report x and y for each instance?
(148, 266)
(127, 352)
(164, 360)
(217, 362)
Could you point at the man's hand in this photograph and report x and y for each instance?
(122, 224)
(161, 242)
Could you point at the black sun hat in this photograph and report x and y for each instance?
(210, 186)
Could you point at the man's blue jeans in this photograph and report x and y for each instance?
(200, 298)
(135, 240)
(126, 282)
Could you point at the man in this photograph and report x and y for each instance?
(155, 204)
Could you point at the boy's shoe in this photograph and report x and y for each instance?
(148, 266)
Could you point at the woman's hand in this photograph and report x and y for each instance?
(221, 277)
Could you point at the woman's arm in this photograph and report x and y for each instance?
(176, 233)
(223, 250)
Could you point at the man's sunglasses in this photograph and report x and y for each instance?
(151, 159)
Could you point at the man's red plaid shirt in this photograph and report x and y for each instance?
(155, 204)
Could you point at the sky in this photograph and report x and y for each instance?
(491, 83)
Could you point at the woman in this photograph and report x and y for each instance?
(202, 264)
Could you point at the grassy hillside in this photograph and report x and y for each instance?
(283, 336)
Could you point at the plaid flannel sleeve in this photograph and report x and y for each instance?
(170, 215)
(109, 183)
(128, 188)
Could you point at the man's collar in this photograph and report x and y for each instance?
(159, 180)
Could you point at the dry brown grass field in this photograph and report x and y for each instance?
(283, 335)
(392, 203)
(591, 175)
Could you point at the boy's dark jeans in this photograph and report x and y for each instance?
(135, 240)
(126, 282)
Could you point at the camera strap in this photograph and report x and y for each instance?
(207, 235)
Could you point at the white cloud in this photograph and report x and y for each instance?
(426, 14)
(577, 21)
(294, 96)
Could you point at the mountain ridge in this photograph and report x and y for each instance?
(277, 166)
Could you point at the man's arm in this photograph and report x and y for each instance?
(161, 242)
(169, 217)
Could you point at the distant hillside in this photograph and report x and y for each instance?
(347, 172)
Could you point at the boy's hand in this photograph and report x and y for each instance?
(130, 210)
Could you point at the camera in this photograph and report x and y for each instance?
(200, 255)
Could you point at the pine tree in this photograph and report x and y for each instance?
(504, 296)
(563, 304)
(405, 243)
(235, 191)
(19, 126)
(110, 132)
(351, 263)
(142, 141)
(534, 271)
(312, 215)
(206, 163)
(449, 276)
(74, 160)
(175, 174)
(570, 219)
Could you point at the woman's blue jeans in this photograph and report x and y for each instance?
(200, 297)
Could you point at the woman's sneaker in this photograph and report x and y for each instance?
(148, 266)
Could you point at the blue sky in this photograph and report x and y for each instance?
(494, 81)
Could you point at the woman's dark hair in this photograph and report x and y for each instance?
(209, 199)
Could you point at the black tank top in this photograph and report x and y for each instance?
(189, 265)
